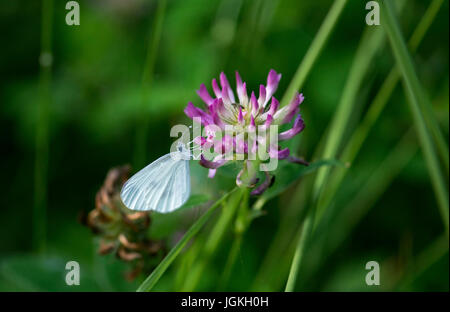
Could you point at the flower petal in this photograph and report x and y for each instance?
(285, 114)
(241, 90)
(269, 120)
(216, 89)
(254, 103)
(227, 93)
(279, 154)
(211, 173)
(204, 95)
(274, 106)
(211, 164)
(262, 97)
(264, 185)
(272, 84)
(298, 127)
(191, 111)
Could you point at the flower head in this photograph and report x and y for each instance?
(245, 114)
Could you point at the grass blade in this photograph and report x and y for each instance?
(314, 50)
(415, 96)
(154, 277)
(42, 137)
(376, 108)
(369, 45)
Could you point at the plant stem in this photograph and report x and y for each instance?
(427, 257)
(314, 50)
(415, 96)
(42, 140)
(368, 47)
(213, 240)
(234, 251)
(154, 277)
(147, 79)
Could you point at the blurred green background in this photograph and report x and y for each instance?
(95, 111)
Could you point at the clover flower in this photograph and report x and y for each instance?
(245, 114)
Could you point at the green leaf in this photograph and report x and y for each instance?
(289, 173)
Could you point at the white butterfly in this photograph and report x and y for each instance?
(162, 186)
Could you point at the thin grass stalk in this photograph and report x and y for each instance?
(140, 152)
(212, 242)
(426, 258)
(154, 277)
(414, 92)
(349, 216)
(242, 223)
(377, 106)
(231, 260)
(314, 50)
(310, 58)
(375, 186)
(42, 138)
(368, 47)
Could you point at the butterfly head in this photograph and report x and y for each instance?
(183, 151)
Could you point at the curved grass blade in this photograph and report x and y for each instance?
(314, 50)
(377, 106)
(154, 277)
(414, 92)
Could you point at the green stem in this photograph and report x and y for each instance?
(213, 241)
(232, 256)
(306, 231)
(414, 92)
(147, 79)
(154, 277)
(243, 221)
(41, 156)
(368, 47)
(430, 255)
(314, 50)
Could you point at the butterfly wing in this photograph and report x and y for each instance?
(177, 190)
(152, 188)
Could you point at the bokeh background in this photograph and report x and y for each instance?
(93, 108)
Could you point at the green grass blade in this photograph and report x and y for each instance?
(377, 106)
(414, 93)
(369, 46)
(147, 79)
(154, 277)
(426, 258)
(314, 50)
(370, 43)
(39, 220)
(349, 215)
(212, 241)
